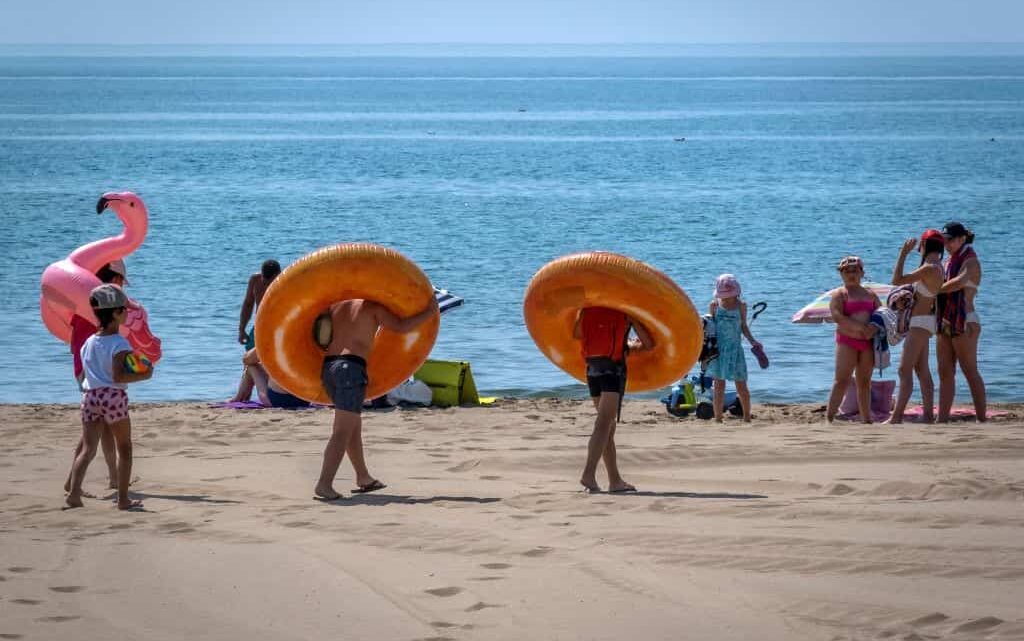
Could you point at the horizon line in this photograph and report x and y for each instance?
(516, 44)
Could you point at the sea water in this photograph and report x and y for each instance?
(484, 164)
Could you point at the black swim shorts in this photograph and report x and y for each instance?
(344, 380)
(605, 375)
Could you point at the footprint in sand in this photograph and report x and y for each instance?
(435, 639)
(480, 605)
(464, 466)
(487, 578)
(443, 624)
(928, 619)
(299, 524)
(10, 636)
(60, 618)
(538, 551)
(18, 569)
(496, 566)
(67, 589)
(978, 624)
(490, 478)
(26, 601)
(444, 592)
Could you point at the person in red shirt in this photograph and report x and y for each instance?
(604, 335)
(113, 273)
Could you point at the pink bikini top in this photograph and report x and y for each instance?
(851, 307)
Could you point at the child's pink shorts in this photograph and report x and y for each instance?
(106, 404)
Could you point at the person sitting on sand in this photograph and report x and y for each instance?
(926, 279)
(354, 324)
(604, 337)
(258, 284)
(105, 402)
(851, 307)
(267, 389)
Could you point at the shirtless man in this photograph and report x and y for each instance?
(354, 325)
(258, 284)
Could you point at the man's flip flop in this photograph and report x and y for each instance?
(324, 499)
(372, 487)
(623, 490)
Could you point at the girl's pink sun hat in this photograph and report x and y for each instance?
(726, 286)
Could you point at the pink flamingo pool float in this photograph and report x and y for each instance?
(66, 283)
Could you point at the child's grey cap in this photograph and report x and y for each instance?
(108, 297)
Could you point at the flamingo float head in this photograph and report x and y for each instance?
(128, 207)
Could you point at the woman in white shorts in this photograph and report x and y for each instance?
(926, 279)
(959, 325)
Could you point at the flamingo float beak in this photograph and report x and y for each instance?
(101, 206)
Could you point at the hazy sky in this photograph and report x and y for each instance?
(507, 21)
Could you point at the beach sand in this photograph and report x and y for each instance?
(783, 529)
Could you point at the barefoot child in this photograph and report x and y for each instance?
(354, 325)
(851, 308)
(604, 337)
(730, 314)
(105, 403)
(115, 273)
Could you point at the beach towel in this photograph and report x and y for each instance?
(957, 412)
(256, 405)
(953, 306)
(882, 318)
(901, 302)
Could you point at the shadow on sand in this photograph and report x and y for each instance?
(397, 499)
(188, 498)
(691, 495)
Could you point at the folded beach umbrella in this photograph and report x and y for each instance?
(818, 311)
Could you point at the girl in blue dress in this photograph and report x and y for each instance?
(730, 314)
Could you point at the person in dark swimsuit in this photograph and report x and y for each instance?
(354, 324)
(604, 338)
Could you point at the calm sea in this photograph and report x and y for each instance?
(483, 165)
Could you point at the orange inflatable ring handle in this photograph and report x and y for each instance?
(308, 287)
(603, 279)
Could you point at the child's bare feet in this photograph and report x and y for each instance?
(130, 504)
(74, 500)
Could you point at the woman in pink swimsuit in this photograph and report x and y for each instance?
(851, 308)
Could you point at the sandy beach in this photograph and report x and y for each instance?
(783, 529)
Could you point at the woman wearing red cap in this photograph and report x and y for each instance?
(959, 324)
(926, 279)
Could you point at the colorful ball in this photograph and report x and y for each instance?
(137, 363)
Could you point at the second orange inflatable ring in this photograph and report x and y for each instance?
(284, 321)
(603, 279)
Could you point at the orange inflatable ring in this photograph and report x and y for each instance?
(603, 279)
(308, 287)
